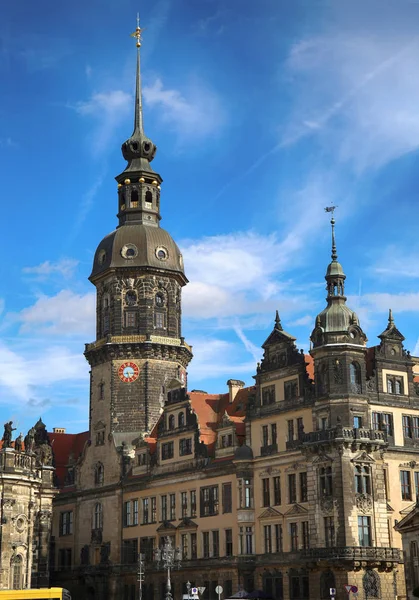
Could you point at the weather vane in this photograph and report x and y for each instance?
(331, 209)
(137, 33)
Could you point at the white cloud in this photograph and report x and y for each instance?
(381, 302)
(302, 321)
(110, 109)
(21, 375)
(363, 91)
(214, 358)
(66, 313)
(197, 112)
(398, 264)
(64, 267)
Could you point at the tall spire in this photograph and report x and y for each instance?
(332, 222)
(138, 118)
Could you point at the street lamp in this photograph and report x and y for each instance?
(140, 574)
(168, 557)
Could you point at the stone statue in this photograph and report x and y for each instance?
(19, 443)
(30, 440)
(7, 435)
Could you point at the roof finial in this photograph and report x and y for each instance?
(138, 119)
(332, 221)
(278, 322)
(390, 317)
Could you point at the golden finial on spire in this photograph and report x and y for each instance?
(137, 33)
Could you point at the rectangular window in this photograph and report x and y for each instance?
(274, 436)
(265, 492)
(185, 446)
(135, 512)
(129, 551)
(329, 532)
(291, 389)
(249, 540)
(167, 450)
(64, 560)
(147, 547)
(268, 395)
(145, 511)
(294, 536)
(185, 550)
(227, 440)
(407, 426)
(216, 543)
(66, 522)
(267, 536)
(159, 320)
(278, 538)
(406, 487)
(227, 499)
(229, 542)
(228, 588)
(290, 425)
(277, 490)
(357, 422)
(153, 509)
(306, 535)
(364, 531)
(184, 504)
(209, 501)
(194, 552)
(416, 427)
(265, 436)
(193, 503)
(300, 427)
(292, 489)
(416, 476)
(323, 423)
(172, 507)
(205, 544)
(303, 487)
(127, 514)
(163, 506)
(130, 318)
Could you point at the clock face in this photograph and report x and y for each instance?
(128, 372)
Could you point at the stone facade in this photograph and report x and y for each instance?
(26, 493)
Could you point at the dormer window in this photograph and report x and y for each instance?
(395, 385)
(142, 459)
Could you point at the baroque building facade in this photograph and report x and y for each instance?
(293, 485)
(27, 489)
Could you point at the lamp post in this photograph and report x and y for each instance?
(140, 574)
(168, 557)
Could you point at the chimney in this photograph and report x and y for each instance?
(58, 430)
(234, 385)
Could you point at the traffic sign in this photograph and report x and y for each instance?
(194, 591)
(348, 588)
(201, 590)
(332, 591)
(354, 589)
(218, 590)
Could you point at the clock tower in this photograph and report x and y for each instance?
(139, 351)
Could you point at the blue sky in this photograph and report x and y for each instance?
(263, 113)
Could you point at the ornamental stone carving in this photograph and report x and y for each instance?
(326, 504)
(364, 503)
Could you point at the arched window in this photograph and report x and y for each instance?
(99, 474)
(134, 199)
(171, 421)
(324, 380)
(390, 387)
(397, 387)
(121, 201)
(181, 419)
(148, 196)
(355, 377)
(98, 516)
(371, 584)
(105, 315)
(17, 564)
(327, 581)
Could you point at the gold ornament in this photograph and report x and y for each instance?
(127, 181)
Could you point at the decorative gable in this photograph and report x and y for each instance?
(363, 457)
(166, 526)
(269, 513)
(297, 509)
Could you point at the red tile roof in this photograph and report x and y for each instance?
(66, 447)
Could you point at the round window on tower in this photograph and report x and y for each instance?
(129, 251)
(162, 253)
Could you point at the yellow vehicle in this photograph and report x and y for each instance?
(40, 594)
